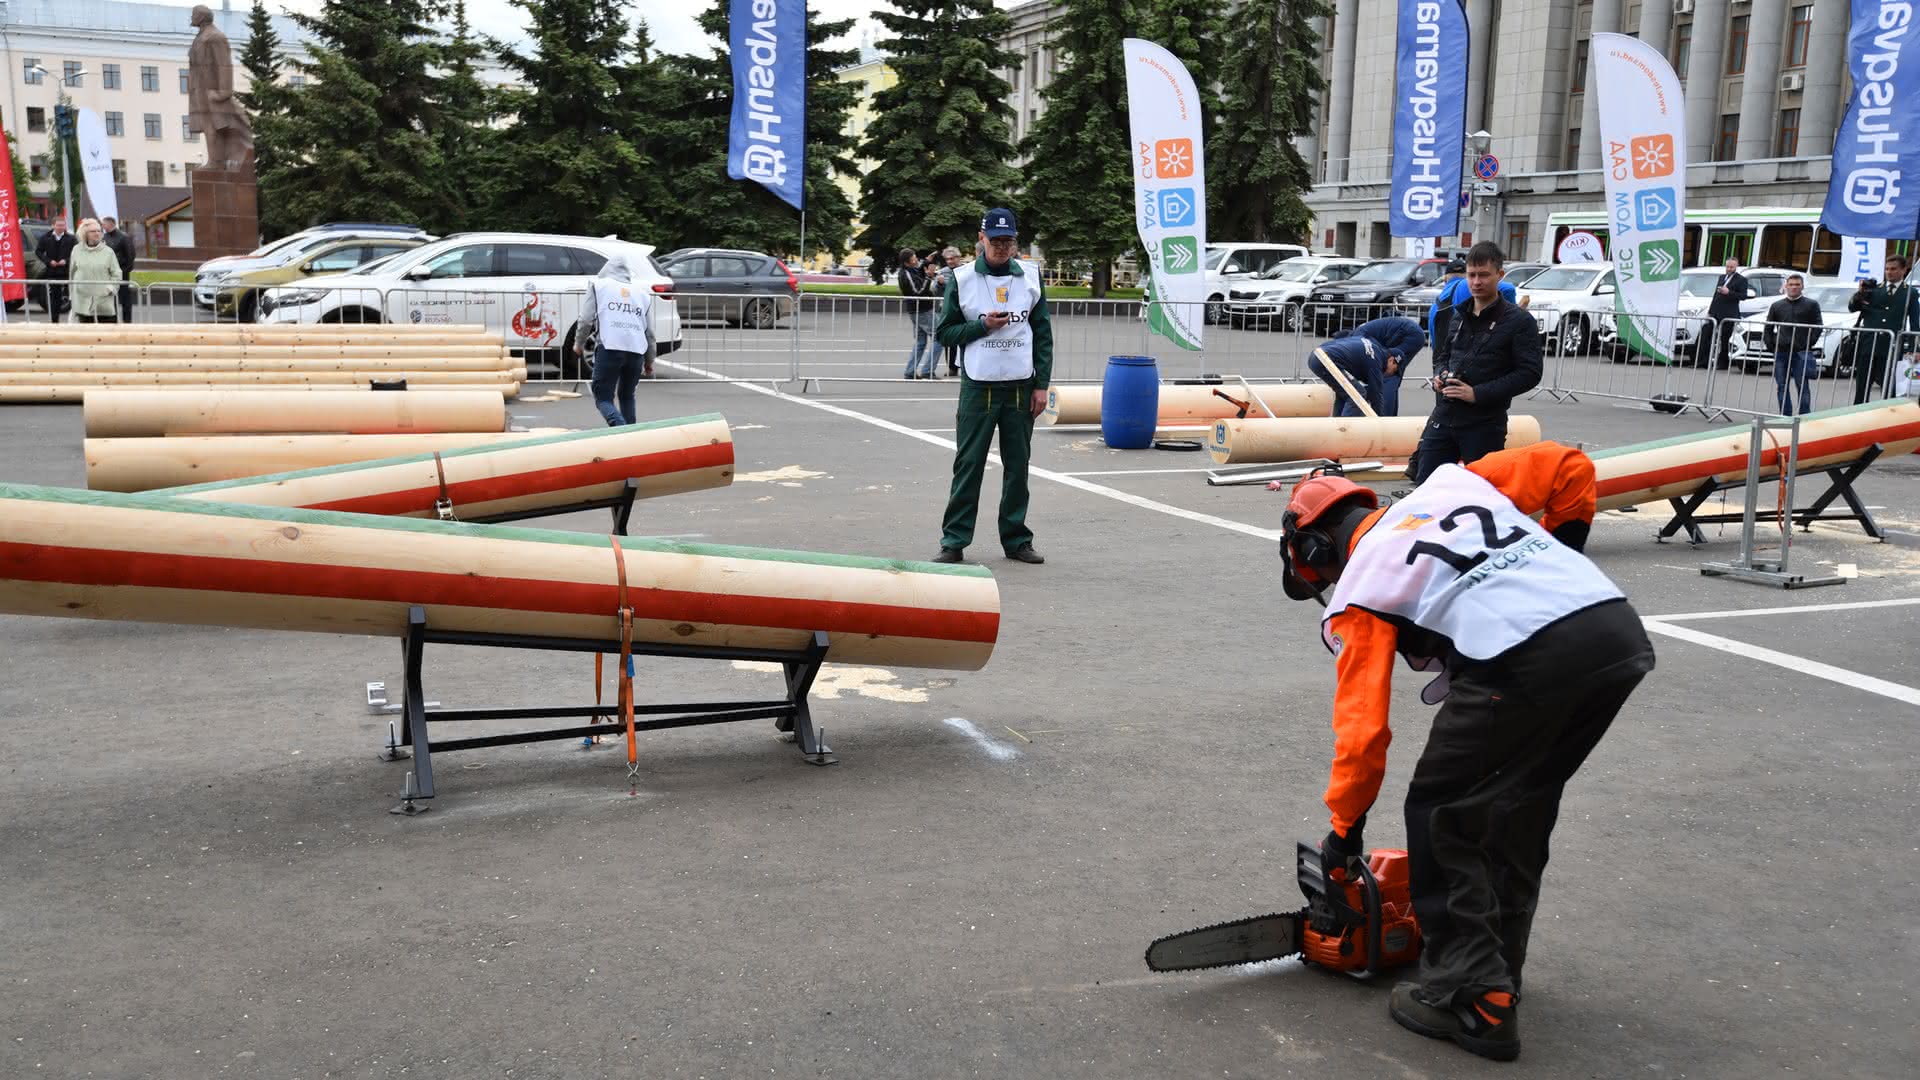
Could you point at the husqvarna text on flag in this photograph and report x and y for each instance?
(1169, 188)
(1875, 188)
(96, 160)
(1643, 142)
(1429, 117)
(767, 142)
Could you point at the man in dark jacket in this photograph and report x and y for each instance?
(1793, 325)
(122, 246)
(1892, 309)
(1724, 309)
(1490, 355)
(55, 249)
(1374, 356)
(923, 359)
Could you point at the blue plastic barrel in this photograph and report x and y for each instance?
(1130, 402)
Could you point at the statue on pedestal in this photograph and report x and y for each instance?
(212, 108)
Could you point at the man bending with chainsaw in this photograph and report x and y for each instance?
(1537, 651)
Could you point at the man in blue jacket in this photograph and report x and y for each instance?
(1374, 357)
(1455, 293)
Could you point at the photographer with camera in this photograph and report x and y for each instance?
(1894, 307)
(1491, 354)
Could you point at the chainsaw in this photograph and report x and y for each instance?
(1358, 927)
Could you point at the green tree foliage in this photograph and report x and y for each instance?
(1272, 94)
(1080, 176)
(266, 101)
(712, 209)
(466, 138)
(63, 161)
(361, 140)
(1192, 30)
(940, 139)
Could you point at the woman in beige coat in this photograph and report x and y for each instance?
(94, 277)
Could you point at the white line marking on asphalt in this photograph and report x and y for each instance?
(1815, 668)
(1045, 474)
(878, 400)
(998, 751)
(1134, 472)
(1738, 612)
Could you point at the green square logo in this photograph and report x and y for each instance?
(1660, 260)
(1180, 254)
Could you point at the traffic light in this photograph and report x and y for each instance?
(63, 121)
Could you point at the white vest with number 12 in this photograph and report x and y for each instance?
(1006, 354)
(623, 314)
(1456, 558)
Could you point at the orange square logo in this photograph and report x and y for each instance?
(1652, 156)
(1000, 294)
(1173, 158)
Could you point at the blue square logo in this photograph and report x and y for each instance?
(1657, 208)
(1177, 209)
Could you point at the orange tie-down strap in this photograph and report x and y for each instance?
(626, 657)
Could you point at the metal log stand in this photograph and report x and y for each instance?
(1749, 566)
(790, 713)
(621, 505)
(1840, 478)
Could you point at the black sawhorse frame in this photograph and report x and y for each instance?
(790, 713)
(621, 505)
(1840, 480)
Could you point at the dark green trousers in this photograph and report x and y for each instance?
(984, 409)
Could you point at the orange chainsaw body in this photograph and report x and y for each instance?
(1346, 947)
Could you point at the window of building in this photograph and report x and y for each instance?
(1788, 144)
(1580, 65)
(70, 72)
(116, 123)
(187, 172)
(1517, 239)
(1798, 31)
(119, 170)
(186, 129)
(296, 81)
(1682, 48)
(151, 122)
(1723, 147)
(150, 78)
(156, 173)
(1573, 149)
(37, 167)
(36, 118)
(1737, 45)
(31, 69)
(183, 80)
(110, 76)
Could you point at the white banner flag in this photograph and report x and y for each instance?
(1169, 187)
(1643, 128)
(1420, 247)
(96, 160)
(1862, 257)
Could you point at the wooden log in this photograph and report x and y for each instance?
(1253, 442)
(151, 558)
(161, 378)
(203, 332)
(74, 394)
(146, 464)
(1667, 468)
(662, 457)
(32, 357)
(1080, 404)
(17, 371)
(148, 413)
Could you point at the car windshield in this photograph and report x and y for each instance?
(1214, 257)
(1562, 279)
(376, 265)
(1698, 285)
(1291, 270)
(1383, 271)
(1522, 275)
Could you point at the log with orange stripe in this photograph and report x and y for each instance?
(662, 457)
(152, 464)
(153, 558)
(1665, 468)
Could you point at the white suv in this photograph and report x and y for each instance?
(528, 287)
(210, 274)
(1567, 303)
(1228, 264)
(1272, 300)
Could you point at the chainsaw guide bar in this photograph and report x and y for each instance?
(1228, 944)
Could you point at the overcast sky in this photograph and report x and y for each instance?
(672, 21)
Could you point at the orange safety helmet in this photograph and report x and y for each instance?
(1307, 551)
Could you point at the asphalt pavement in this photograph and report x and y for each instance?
(202, 879)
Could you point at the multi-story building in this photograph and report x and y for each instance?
(871, 75)
(1031, 39)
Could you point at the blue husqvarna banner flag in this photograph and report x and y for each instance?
(767, 142)
(1429, 117)
(1875, 189)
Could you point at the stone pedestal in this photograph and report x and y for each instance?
(226, 214)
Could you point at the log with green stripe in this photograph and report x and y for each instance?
(156, 558)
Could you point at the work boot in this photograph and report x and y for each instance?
(1025, 553)
(1488, 1026)
(948, 555)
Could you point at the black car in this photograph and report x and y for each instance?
(739, 288)
(1374, 292)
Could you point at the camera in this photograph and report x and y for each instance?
(1869, 284)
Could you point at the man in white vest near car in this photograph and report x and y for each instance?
(996, 315)
(617, 324)
(1536, 652)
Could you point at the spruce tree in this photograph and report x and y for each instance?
(360, 140)
(266, 100)
(467, 106)
(1192, 30)
(940, 139)
(716, 210)
(1272, 94)
(1080, 175)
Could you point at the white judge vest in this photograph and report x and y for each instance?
(623, 312)
(1456, 558)
(1006, 354)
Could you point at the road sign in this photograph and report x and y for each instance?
(1487, 167)
(1484, 188)
(1466, 199)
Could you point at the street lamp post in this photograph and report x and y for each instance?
(63, 127)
